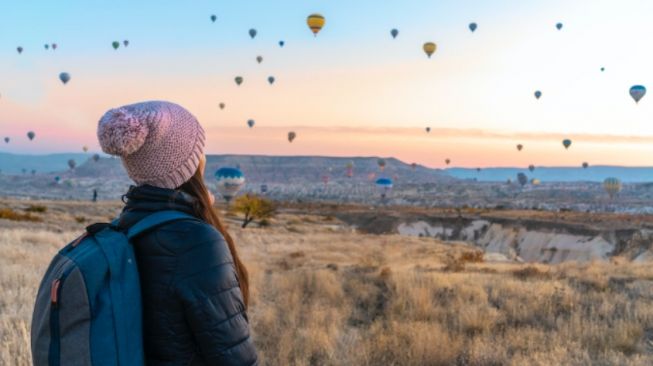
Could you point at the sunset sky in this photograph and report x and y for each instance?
(352, 90)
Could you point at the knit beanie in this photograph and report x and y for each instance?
(159, 143)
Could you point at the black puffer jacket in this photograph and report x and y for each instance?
(193, 311)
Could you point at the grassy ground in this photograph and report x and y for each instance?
(323, 294)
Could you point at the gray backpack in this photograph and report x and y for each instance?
(88, 307)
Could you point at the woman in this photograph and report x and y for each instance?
(194, 286)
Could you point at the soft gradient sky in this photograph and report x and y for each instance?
(353, 90)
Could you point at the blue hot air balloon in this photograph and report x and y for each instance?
(637, 92)
(538, 94)
(394, 33)
(230, 180)
(252, 33)
(566, 143)
(559, 26)
(64, 77)
(522, 179)
(251, 123)
(473, 26)
(383, 185)
(271, 79)
(282, 43)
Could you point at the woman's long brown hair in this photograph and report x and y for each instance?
(204, 209)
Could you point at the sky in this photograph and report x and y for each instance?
(351, 91)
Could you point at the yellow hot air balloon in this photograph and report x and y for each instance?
(429, 48)
(315, 22)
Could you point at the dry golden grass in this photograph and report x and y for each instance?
(325, 295)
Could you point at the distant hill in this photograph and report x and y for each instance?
(257, 168)
(558, 174)
(15, 163)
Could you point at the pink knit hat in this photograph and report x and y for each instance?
(160, 143)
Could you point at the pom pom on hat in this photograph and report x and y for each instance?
(121, 133)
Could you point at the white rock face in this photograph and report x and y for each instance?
(421, 228)
(645, 257)
(521, 244)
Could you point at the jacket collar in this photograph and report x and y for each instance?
(143, 200)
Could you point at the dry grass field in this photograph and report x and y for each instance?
(325, 295)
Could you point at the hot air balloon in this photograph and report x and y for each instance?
(251, 123)
(637, 92)
(252, 33)
(381, 163)
(350, 169)
(472, 27)
(54, 46)
(214, 18)
(602, 69)
(535, 182)
(282, 43)
(520, 147)
(585, 165)
(6, 140)
(538, 94)
(115, 45)
(291, 136)
(239, 80)
(522, 179)
(478, 170)
(566, 143)
(72, 164)
(325, 179)
(394, 33)
(559, 26)
(125, 43)
(64, 77)
(271, 80)
(429, 48)
(221, 105)
(57, 179)
(19, 49)
(447, 161)
(96, 157)
(259, 59)
(612, 186)
(84, 148)
(384, 185)
(264, 188)
(531, 167)
(31, 135)
(46, 46)
(428, 129)
(230, 180)
(413, 166)
(315, 22)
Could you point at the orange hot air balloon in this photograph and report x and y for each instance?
(315, 22)
(429, 48)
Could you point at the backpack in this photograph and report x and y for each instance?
(88, 306)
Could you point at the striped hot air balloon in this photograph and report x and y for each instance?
(230, 181)
(315, 22)
(612, 186)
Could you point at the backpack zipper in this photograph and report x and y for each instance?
(54, 354)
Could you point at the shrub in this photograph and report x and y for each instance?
(531, 272)
(36, 208)
(80, 219)
(9, 214)
(254, 208)
(475, 256)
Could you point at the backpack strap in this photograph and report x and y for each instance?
(156, 219)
